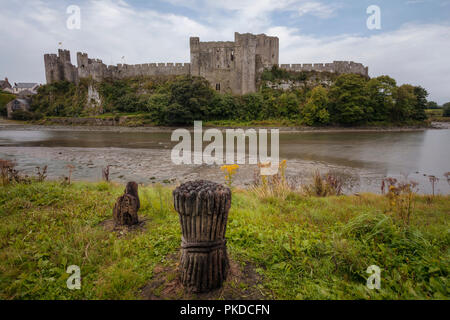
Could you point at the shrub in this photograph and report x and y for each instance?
(23, 115)
(288, 105)
(382, 92)
(315, 110)
(193, 94)
(176, 114)
(224, 107)
(348, 100)
(401, 198)
(9, 174)
(156, 106)
(323, 186)
(63, 98)
(446, 112)
(272, 187)
(5, 98)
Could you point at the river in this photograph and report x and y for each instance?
(361, 158)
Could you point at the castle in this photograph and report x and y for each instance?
(229, 66)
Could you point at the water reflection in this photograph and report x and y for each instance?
(366, 156)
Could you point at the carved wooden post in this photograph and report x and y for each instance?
(203, 210)
(127, 206)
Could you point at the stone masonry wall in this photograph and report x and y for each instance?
(340, 67)
(58, 68)
(229, 66)
(96, 69)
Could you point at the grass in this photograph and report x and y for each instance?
(303, 247)
(434, 112)
(253, 123)
(144, 120)
(126, 120)
(437, 115)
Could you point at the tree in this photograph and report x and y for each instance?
(176, 114)
(405, 103)
(287, 105)
(128, 103)
(382, 93)
(5, 98)
(156, 105)
(252, 106)
(446, 107)
(418, 111)
(348, 100)
(223, 106)
(432, 105)
(116, 95)
(315, 110)
(193, 94)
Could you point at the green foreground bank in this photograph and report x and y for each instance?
(301, 247)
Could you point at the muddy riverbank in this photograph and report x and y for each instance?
(361, 158)
(98, 124)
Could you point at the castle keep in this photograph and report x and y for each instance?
(229, 66)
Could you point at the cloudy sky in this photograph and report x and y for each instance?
(413, 44)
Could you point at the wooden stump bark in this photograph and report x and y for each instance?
(127, 206)
(203, 211)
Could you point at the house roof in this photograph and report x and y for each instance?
(25, 85)
(24, 101)
(5, 84)
(20, 100)
(26, 92)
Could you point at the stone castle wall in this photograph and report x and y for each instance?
(340, 67)
(229, 66)
(98, 70)
(59, 67)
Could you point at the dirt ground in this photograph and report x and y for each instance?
(109, 225)
(242, 283)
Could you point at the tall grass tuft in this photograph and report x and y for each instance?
(9, 174)
(370, 226)
(401, 198)
(324, 185)
(275, 186)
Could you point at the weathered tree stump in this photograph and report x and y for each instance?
(203, 210)
(127, 206)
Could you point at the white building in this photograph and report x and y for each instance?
(22, 86)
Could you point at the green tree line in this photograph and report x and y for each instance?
(347, 100)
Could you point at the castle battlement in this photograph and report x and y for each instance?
(339, 67)
(229, 66)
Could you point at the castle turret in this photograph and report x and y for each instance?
(194, 44)
(59, 68)
(64, 56)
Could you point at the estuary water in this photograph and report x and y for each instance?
(361, 158)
